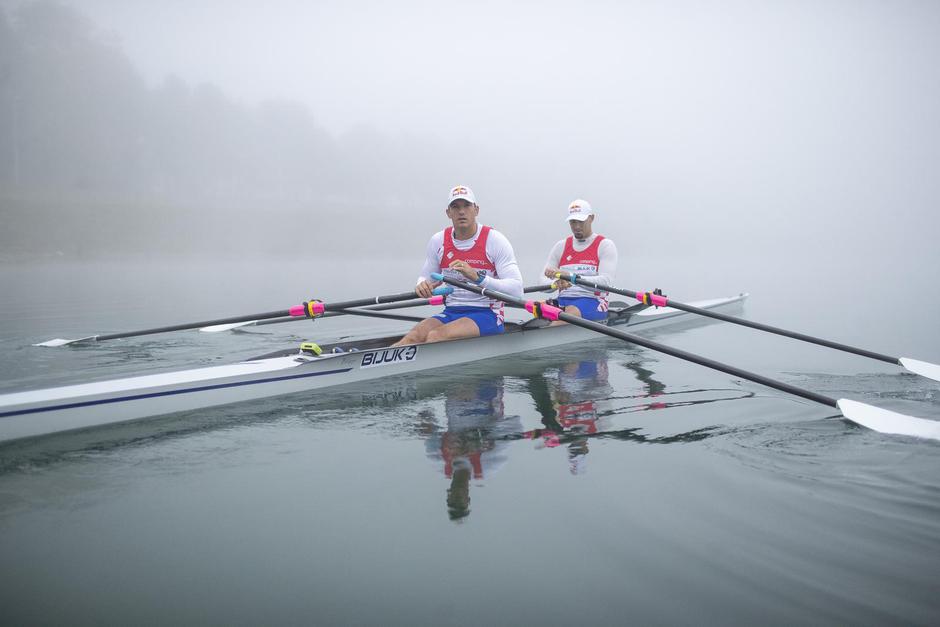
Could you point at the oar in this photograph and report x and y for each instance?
(417, 302)
(923, 368)
(377, 314)
(308, 309)
(877, 419)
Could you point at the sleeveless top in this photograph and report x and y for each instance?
(476, 258)
(587, 263)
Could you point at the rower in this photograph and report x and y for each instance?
(585, 253)
(471, 252)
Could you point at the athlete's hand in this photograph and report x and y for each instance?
(463, 268)
(425, 289)
(553, 273)
(558, 283)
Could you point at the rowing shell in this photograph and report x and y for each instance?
(51, 410)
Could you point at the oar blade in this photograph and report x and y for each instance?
(923, 368)
(218, 328)
(63, 342)
(887, 421)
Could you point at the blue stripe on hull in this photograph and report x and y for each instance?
(137, 397)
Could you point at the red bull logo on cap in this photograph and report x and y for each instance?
(461, 192)
(579, 209)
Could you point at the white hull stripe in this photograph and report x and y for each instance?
(137, 397)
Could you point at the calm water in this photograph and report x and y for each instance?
(600, 484)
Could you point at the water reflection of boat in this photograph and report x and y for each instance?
(398, 394)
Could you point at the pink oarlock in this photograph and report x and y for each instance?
(542, 310)
(649, 298)
(311, 309)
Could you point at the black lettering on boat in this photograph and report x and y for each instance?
(389, 356)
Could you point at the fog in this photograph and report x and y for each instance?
(754, 131)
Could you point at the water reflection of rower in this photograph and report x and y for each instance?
(577, 403)
(475, 441)
(572, 400)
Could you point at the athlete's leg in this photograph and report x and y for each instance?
(419, 334)
(569, 309)
(462, 327)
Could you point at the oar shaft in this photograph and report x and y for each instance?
(193, 325)
(538, 288)
(293, 312)
(333, 312)
(668, 302)
(377, 300)
(371, 313)
(554, 312)
(417, 302)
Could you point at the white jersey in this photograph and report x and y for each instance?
(606, 268)
(506, 277)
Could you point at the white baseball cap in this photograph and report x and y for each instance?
(579, 210)
(461, 192)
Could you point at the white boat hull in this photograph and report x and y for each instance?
(51, 410)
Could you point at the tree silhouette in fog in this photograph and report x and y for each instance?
(85, 140)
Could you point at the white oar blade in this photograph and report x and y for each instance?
(63, 342)
(923, 368)
(887, 421)
(218, 328)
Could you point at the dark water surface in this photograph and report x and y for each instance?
(598, 484)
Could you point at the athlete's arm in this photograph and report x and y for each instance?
(500, 251)
(607, 266)
(432, 264)
(554, 259)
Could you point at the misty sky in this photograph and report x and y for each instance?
(488, 67)
(812, 120)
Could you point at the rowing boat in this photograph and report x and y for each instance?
(51, 410)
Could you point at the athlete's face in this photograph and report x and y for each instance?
(581, 229)
(462, 213)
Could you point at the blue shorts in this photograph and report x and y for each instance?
(484, 317)
(586, 305)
